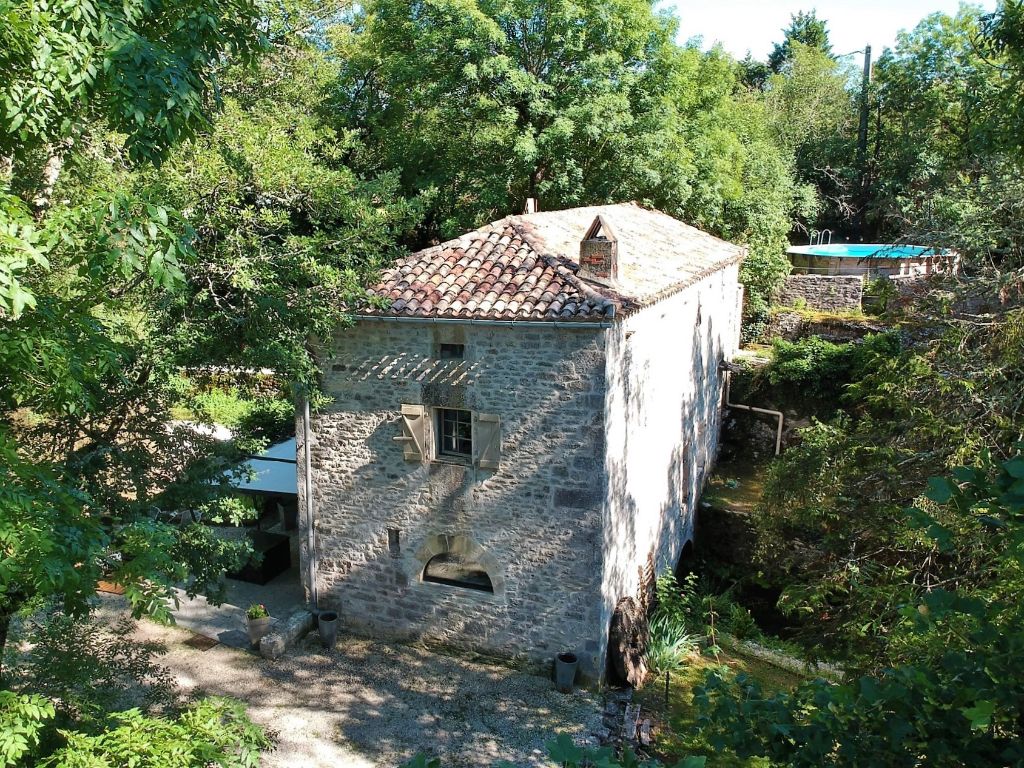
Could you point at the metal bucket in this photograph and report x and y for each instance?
(327, 625)
(565, 671)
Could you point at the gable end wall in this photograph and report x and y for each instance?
(535, 521)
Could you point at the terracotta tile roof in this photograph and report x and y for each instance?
(524, 268)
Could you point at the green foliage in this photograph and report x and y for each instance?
(1002, 40)
(686, 612)
(880, 294)
(668, 645)
(960, 706)
(145, 69)
(87, 667)
(942, 157)
(812, 113)
(817, 368)
(292, 235)
(23, 718)
(838, 541)
(210, 732)
(75, 485)
(257, 611)
(805, 29)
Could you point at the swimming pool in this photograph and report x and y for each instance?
(864, 251)
(872, 259)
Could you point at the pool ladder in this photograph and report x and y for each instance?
(818, 238)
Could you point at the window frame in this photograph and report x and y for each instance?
(447, 351)
(441, 420)
(475, 586)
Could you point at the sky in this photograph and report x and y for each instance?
(755, 25)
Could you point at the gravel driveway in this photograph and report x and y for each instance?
(370, 703)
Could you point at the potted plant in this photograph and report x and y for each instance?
(257, 622)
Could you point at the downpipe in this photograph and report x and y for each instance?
(307, 465)
(753, 409)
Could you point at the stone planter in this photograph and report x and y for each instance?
(565, 671)
(258, 628)
(327, 625)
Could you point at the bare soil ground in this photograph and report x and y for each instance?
(369, 703)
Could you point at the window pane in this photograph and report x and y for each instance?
(456, 432)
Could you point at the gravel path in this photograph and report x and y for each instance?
(370, 703)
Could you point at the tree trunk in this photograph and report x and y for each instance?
(5, 625)
(6, 169)
(535, 179)
(50, 174)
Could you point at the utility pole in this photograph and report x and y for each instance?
(862, 138)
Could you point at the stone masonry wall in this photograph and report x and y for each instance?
(826, 293)
(535, 521)
(664, 409)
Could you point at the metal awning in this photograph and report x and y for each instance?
(273, 471)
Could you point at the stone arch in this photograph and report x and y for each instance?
(465, 548)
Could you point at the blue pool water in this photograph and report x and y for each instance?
(864, 251)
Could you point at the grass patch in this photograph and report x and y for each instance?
(675, 727)
(822, 316)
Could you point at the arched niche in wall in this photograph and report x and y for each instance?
(458, 561)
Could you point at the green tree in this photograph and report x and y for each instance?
(1002, 42)
(940, 117)
(806, 29)
(483, 103)
(960, 705)
(813, 116)
(85, 452)
(209, 732)
(286, 234)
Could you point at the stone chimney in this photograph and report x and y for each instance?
(599, 253)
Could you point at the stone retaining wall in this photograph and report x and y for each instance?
(826, 293)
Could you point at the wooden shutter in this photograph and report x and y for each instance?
(414, 432)
(487, 440)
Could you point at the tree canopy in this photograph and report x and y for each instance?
(806, 29)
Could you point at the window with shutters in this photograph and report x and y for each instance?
(450, 435)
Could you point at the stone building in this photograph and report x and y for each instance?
(519, 433)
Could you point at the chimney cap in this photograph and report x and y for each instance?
(600, 229)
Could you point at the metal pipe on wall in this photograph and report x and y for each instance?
(740, 406)
(307, 465)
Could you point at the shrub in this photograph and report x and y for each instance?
(669, 645)
(737, 621)
(819, 368)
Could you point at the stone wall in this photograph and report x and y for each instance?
(826, 293)
(535, 521)
(664, 409)
(796, 325)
